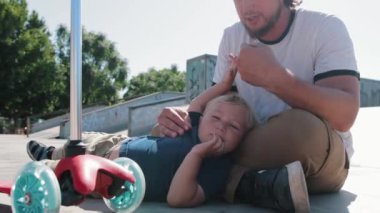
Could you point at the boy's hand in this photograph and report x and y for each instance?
(229, 77)
(215, 146)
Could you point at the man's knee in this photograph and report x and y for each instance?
(292, 135)
(297, 120)
(300, 129)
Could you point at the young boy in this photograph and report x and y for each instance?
(185, 170)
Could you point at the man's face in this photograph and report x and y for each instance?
(259, 16)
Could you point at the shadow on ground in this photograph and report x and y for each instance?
(341, 200)
(5, 208)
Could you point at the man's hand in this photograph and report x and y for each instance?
(258, 66)
(213, 147)
(173, 122)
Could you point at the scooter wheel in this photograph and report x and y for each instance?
(132, 197)
(36, 189)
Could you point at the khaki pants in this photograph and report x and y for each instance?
(293, 135)
(97, 143)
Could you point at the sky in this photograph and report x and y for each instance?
(160, 33)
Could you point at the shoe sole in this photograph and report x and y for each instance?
(30, 154)
(298, 188)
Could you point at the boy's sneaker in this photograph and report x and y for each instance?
(282, 189)
(38, 151)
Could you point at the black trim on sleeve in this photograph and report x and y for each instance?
(333, 73)
(233, 88)
(194, 118)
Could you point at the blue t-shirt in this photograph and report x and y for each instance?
(160, 157)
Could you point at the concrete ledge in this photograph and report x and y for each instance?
(56, 121)
(114, 118)
(142, 118)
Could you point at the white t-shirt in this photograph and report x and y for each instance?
(315, 46)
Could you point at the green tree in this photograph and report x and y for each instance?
(28, 71)
(104, 72)
(156, 81)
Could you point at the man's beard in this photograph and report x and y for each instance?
(265, 29)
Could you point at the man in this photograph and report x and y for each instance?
(297, 70)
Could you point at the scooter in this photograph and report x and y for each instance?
(37, 188)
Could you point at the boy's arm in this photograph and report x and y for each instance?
(185, 190)
(199, 103)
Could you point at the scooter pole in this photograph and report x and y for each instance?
(76, 178)
(75, 145)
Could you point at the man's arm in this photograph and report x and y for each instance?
(335, 99)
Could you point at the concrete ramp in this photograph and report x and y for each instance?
(143, 117)
(41, 125)
(115, 118)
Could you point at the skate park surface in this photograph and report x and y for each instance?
(360, 193)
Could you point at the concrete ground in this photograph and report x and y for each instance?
(360, 193)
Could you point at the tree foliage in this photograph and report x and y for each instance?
(104, 72)
(156, 81)
(35, 72)
(29, 78)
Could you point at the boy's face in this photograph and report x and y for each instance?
(225, 120)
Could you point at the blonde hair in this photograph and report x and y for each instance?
(234, 98)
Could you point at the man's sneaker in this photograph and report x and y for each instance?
(282, 189)
(38, 151)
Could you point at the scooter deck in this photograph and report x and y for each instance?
(6, 186)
